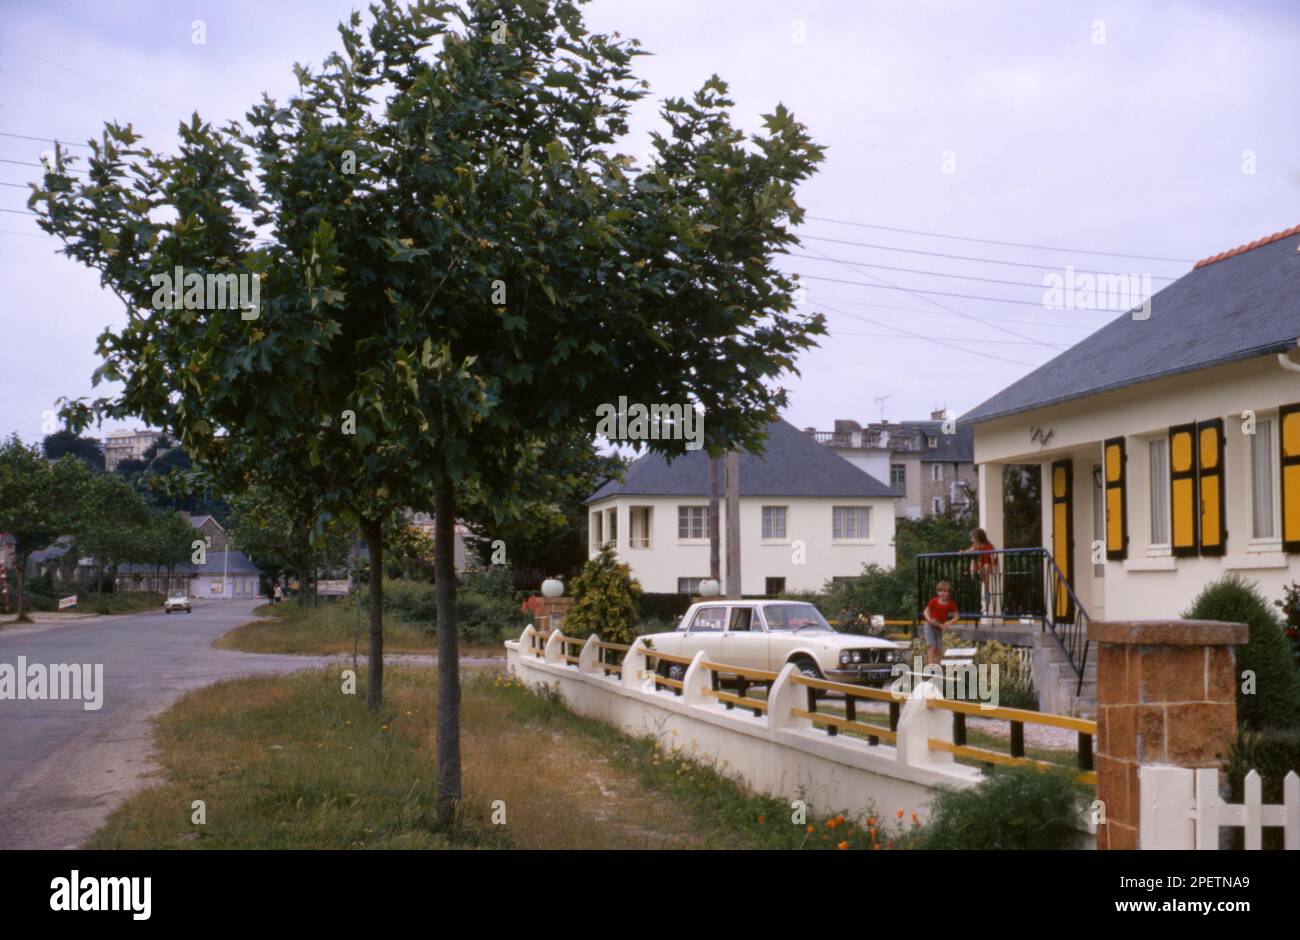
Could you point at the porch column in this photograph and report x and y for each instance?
(990, 499)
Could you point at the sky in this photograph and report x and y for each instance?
(1120, 138)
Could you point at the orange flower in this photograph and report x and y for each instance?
(840, 819)
(916, 820)
(891, 843)
(812, 829)
(762, 819)
(830, 824)
(842, 845)
(900, 814)
(871, 821)
(872, 833)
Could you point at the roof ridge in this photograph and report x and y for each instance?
(1232, 252)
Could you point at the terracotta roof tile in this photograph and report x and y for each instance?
(1266, 240)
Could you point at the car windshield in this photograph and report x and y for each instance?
(794, 617)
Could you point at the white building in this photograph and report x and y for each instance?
(1169, 446)
(806, 516)
(128, 445)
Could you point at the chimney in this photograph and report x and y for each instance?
(938, 414)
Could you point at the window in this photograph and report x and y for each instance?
(898, 476)
(773, 586)
(1262, 479)
(850, 522)
(773, 523)
(936, 472)
(742, 618)
(709, 619)
(932, 441)
(689, 585)
(597, 538)
(692, 522)
(639, 518)
(936, 505)
(1160, 491)
(611, 525)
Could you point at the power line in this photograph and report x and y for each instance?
(940, 254)
(9, 231)
(19, 211)
(885, 267)
(931, 339)
(991, 241)
(93, 78)
(59, 91)
(916, 290)
(953, 339)
(1055, 326)
(45, 140)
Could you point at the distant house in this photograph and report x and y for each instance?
(223, 575)
(128, 445)
(209, 529)
(464, 559)
(930, 468)
(806, 516)
(1168, 441)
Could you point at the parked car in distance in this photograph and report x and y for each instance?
(177, 600)
(768, 634)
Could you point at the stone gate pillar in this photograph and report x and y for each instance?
(1166, 695)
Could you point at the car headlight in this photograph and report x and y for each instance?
(844, 658)
(857, 656)
(892, 656)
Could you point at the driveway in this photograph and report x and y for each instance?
(63, 769)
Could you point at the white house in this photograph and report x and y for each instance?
(1169, 445)
(806, 516)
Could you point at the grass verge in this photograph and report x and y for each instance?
(290, 762)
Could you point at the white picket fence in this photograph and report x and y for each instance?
(1182, 809)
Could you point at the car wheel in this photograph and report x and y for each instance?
(807, 668)
(166, 610)
(674, 671)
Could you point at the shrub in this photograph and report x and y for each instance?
(1275, 701)
(1013, 808)
(492, 581)
(1274, 752)
(662, 608)
(604, 601)
(1015, 675)
(1290, 605)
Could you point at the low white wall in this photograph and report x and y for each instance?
(774, 753)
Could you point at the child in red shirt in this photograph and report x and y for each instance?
(938, 614)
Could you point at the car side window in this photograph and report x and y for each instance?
(741, 617)
(709, 619)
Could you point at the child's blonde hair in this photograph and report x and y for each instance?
(943, 584)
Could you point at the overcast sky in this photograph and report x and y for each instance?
(1153, 130)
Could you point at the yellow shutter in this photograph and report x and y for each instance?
(1063, 533)
(1182, 489)
(1209, 459)
(1116, 499)
(1289, 440)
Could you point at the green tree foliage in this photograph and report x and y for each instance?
(38, 502)
(86, 449)
(461, 264)
(604, 601)
(109, 526)
(1273, 701)
(1022, 508)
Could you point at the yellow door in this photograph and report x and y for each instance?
(1063, 533)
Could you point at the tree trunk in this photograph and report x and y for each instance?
(374, 532)
(20, 575)
(734, 586)
(448, 654)
(715, 533)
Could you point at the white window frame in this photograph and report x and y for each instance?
(1155, 548)
(692, 585)
(769, 533)
(690, 512)
(936, 473)
(1270, 543)
(858, 539)
(647, 539)
(901, 485)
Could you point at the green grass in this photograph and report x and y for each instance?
(290, 762)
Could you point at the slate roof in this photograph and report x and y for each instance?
(958, 447)
(239, 564)
(1236, 305)
(792, 465)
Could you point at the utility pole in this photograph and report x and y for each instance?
(733, 525)
(715, 529)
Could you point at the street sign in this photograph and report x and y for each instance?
(332, 588)
(70, 601)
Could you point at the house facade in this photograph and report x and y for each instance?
(930, 465)
(128, 445)
(806, 516)
(1169, 445)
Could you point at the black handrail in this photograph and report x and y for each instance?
(1021, 583)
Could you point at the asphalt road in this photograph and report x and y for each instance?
(63, 769)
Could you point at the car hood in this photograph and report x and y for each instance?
(843, 641)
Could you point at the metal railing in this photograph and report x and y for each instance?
(1014, 583)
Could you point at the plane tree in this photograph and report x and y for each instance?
(459, 267)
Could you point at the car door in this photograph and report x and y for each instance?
(705, 632)
(744, 642)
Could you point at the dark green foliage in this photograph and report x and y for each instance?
(1275, 701)
(1022, 515)
(86, 449)
(1013, 808)
(604, 601)
(663, 607)
(480, 617)
(1290, 605)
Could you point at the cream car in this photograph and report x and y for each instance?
(768, 634)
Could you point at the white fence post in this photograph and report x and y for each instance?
(589, 656)
(634, 665)
(554, 649)
(696, 680)
(783, 698)
(918, 723)
(1166, 818)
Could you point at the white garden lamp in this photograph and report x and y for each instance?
(710, 588)
(552, 587)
